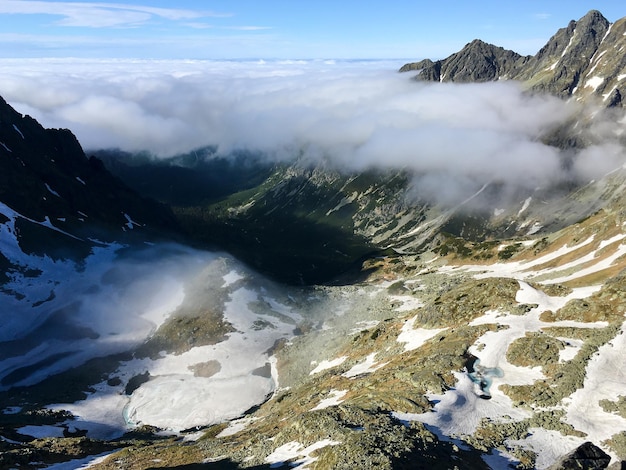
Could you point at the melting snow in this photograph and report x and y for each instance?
(292, 450)
(594, 82)
(130, 222)
(416, 337)
(324, 365)
(18, 131)
(365, 367)
(52, 191)
(334, 399)
(525, 206)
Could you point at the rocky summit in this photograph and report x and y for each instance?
(584, 60)
(210, 311)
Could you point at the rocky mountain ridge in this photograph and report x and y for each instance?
(584, 60)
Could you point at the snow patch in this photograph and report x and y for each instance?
(366, 367)
(334, 399)
(52, 191)
(524, 206)
(416, 337)
(324, 365)
(594, 82)
(292, 450)
(6, 148)
(130, 223)
(18, 131)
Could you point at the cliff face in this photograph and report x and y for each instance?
(584, 60)
(46, 178)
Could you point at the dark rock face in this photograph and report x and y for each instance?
(586, 456)
(476, 62)
(45, 176)
(583, 60)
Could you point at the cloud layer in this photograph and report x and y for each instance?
(355, 115)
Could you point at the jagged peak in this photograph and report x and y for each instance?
(593, 16)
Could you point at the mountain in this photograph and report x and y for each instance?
(583, 60)
(62, 196)
(370, 325)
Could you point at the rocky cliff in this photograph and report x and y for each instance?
(584, 60)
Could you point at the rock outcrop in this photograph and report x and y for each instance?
(584, 60)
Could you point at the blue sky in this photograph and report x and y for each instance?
(220, 29)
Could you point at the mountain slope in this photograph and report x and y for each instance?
(584, 60)
(46, 177)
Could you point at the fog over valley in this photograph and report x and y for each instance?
(353, 115)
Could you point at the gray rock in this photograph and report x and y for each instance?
(586, 456)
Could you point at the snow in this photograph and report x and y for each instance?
(409, 302)
(366, 367)
(416, 337)
(175, 399)
(130, 224)
(41, 431)
(11, 410)
(81, 181)
(292, 450)
(6, 148)
(548, 445)
(364, 325)
(52, 191)
(621, 77)
(334, 399)
(177, 402)
(604, 380)
(324, 365)
(518, 269)
(604, 263)
(232, 277)
(524, 206)
(460, 410)
(80, 464)
(236, 426)
(18, 131)
(594, 82)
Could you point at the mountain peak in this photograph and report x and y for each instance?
(581, 60)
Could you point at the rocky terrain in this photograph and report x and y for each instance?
(583, 60)
(370, 326)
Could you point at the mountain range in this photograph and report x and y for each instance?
(585, 61)
(203, 311)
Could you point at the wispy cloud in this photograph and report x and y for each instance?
(100, 14)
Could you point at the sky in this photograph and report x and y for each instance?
(280, 29)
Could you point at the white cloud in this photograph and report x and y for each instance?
(356, 115)
(100, 14)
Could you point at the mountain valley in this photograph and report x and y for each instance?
(238, 311)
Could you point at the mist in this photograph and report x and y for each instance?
(353, 115)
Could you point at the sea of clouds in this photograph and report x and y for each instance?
(355, 114)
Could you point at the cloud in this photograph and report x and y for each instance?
(543, 16)
(355, 115)
(101, 14)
